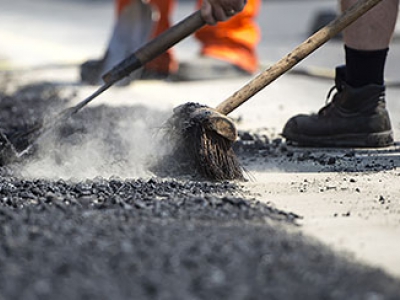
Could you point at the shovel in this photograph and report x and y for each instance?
(135, 61)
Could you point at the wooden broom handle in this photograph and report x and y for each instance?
(294, 57)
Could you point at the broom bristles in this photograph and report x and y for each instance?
(214, 155)
(210, 153)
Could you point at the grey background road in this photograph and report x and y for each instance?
(71, 31)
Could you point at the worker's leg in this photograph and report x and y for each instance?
(235, 40)
(374, 30)
(120, 5)
(132, 28)
(357, 115)
(165, 63)
(367, 42)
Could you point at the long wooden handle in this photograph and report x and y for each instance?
(294, 57)
(155, 47)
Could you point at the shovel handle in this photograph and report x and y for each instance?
(155, 47)
(297, 55)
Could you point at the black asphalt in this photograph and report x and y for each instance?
(111, 238)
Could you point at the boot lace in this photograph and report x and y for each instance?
(329, 101)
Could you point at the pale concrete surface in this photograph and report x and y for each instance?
(37, 35)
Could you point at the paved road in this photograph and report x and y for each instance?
(44, 32)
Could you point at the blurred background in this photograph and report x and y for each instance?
(43, 32)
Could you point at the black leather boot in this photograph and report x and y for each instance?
(356, 117)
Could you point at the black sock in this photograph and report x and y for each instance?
(365, 67)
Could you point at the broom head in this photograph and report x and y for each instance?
(205, 137)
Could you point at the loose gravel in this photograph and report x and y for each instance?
(157, 238)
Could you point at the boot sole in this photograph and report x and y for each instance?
(367, 140)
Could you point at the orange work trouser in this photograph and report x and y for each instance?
(234, 41)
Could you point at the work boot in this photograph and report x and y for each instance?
(356, 117)
(208, 68)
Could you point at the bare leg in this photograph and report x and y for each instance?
(374, 30)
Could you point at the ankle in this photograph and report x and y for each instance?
(365, 67)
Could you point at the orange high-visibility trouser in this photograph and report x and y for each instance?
(234, 41)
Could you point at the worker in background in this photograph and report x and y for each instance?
(228, 49)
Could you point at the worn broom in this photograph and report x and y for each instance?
(206, 135)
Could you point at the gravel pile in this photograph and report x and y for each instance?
(113, 238)
(145, 199)
(268, 146)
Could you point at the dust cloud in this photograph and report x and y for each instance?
(103, 142)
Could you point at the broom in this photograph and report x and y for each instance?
(206, 135)
(10, 152)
